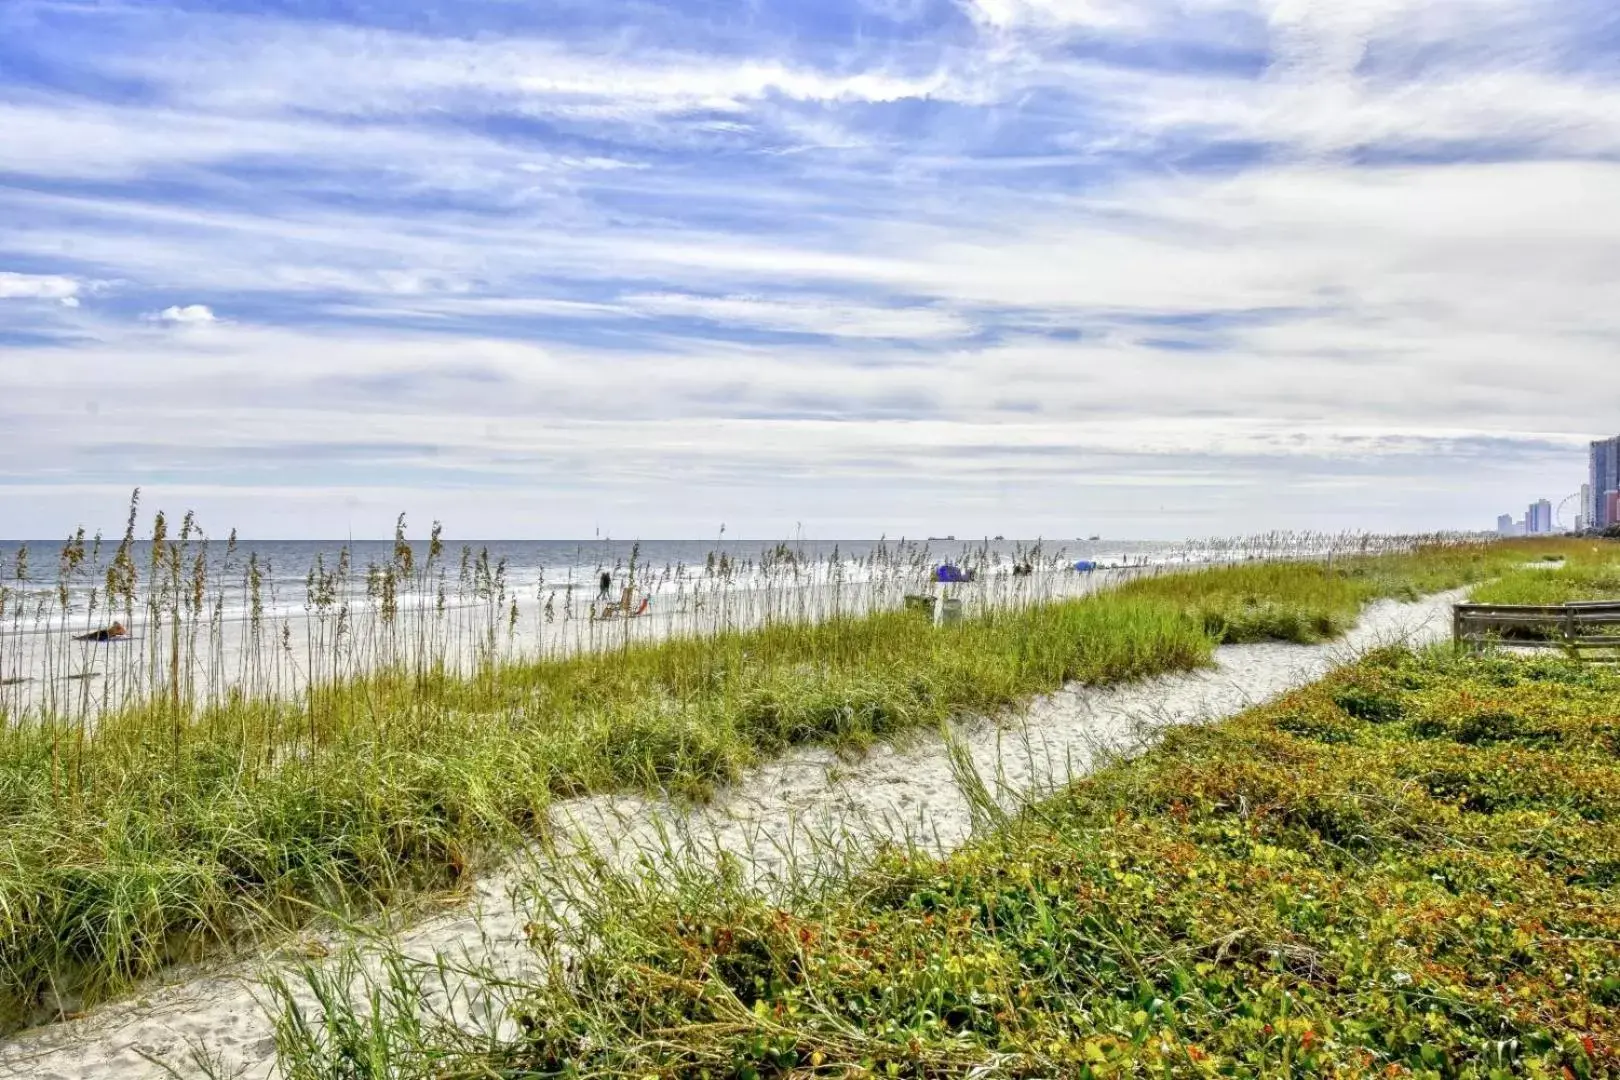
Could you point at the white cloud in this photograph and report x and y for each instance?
(387, 252)
(1527, 250)
(190, 314)
(1480, 72)
(472, 307)
(824, 315)
(15, 286)
(245, 90)
(1307, 112)
(1285, 324)
(1332, 28)
(482, 415)
(1134, 15)
(70, 138)
(262, 64)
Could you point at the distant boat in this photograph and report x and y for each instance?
(1092, 539)
(1000, 538)
(936, 538)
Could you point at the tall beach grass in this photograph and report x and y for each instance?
(1587, 569)
(412, 745)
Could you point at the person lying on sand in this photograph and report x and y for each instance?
(106, 633)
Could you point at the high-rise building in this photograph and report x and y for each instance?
(1538, 520)
(1605, 478)
(1504, 525)
(1611, 503)
(1584, 518)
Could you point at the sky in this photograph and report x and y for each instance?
(841, 268)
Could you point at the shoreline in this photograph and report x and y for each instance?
(282, 657)
(344, 629)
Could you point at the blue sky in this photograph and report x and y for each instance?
(1138, 267)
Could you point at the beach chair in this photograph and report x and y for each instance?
(625, 606)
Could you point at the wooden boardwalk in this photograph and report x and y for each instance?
(1590, 630)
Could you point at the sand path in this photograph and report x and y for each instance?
(904, 790)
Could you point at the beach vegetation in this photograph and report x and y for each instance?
(1586, 570)
(1407, 869)
(224, 806)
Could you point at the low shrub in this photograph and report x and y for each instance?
(1433, 896)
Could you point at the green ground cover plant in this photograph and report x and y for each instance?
(160, 832)
(1411, 868)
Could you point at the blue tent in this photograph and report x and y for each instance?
(949, 573)
(1085, 566)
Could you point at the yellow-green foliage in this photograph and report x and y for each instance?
(1309, 602)
(150, 835)
(1409, 869)
(1590, 570)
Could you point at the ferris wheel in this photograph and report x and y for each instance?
(1569, 510)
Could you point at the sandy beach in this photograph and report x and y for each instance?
(47, 668)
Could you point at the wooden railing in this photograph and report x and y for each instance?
(1590, 630)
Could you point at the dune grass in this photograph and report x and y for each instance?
(155, 834)
(1313, 602)
(161, 832)
(1590, 570)
(1410, 869)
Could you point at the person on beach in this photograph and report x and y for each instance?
(107, 633)
(604, 585)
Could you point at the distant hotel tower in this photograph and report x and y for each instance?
(1605, 478)
(1538, 521)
